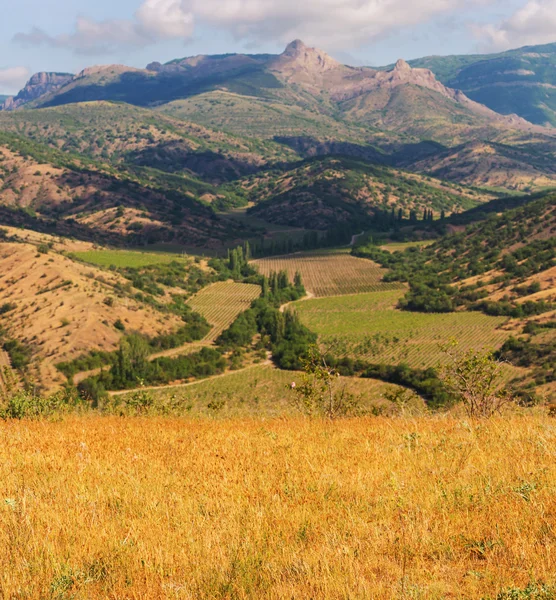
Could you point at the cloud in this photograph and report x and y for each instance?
(534, 23)
(13, 78)
(330, 23)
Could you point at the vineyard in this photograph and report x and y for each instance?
(261, 391)
(220, 304)
(330, 273)
(368, 326)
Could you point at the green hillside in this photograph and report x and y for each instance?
(518, 81)
(120, 133)
(503, 265)
(325, 192)
(50, 190)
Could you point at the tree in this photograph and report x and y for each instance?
(474, 379)
(322, 392)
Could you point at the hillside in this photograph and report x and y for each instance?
(493, 165)
(68, 193)
(125, 133)
(323, 193)
(520, 81)
(503, 265)
(58, 309)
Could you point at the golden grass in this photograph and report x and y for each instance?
(429, 508)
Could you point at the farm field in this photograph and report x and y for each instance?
(368, 326)
(127, 258)
(330, 273)
(220, 303)
(256, 391)
(166, 508)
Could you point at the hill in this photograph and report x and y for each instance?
(122, 133)
(326, 192)
(50, 190)
(56, 309)
(520, 81)
(509, 257)
(493, 165)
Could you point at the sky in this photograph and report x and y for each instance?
(69, 35)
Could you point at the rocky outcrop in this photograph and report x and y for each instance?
(39, 85)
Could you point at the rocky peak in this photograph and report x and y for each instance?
(301, 64)
(295, 48)
(39, 85)
(401, 65)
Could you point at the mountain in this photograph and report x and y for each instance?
(39, 85)
(223, 117)
(521, 81)
(120, 133)
(300, 76)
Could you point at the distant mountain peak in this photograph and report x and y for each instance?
(39, 85)
(402, 65)
(294, 48)
(301, 64)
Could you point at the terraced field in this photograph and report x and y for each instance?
(220, 304)
(261, 390)
(332, 273)
(368, 326)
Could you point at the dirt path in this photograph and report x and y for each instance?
(308, 296)
(267, 362)
(354, 239)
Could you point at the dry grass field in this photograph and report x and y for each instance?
(430, 508)
(330, 273)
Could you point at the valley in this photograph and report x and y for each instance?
(276, 326)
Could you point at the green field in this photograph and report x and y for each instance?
(261, 390)
(368, 326)
(134, 259)
(403, 246)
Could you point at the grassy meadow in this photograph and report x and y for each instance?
(127, 258)
(431, 508)
(260, 390)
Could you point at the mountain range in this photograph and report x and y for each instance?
(207, 133)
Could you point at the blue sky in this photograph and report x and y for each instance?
(64, 35)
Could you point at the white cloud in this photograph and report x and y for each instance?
(13, 78)
(534, 23)
(329, 23)
(166, 19)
